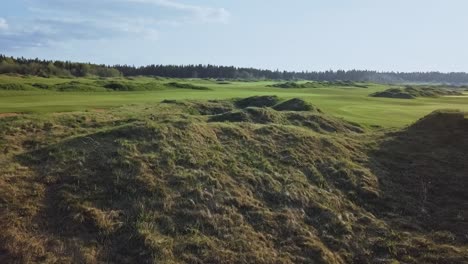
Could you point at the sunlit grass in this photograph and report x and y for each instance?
(352, 104)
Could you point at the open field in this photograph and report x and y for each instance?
(253, 180)
(350, 103)
(205, 171)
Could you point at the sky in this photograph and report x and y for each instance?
(383, 35)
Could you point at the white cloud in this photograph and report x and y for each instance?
(54, 21)
(202, 13)
(3, 24)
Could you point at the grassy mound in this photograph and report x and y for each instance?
(75, 86)
(159, 185)
(186, 86)
(296, 85)
(120, 86)
(293, 85)
(233, 116)
(42, 86)
(426, 174)
(295, 104)
(85, 85)
(250, 114)
(394, 93)
(179, 192)
(283, 113)
(448, 121)
(315, 121)
(345, 84)
(15, 87)
(322, 123)
(257, 101)
(411, 92)
(212, 107)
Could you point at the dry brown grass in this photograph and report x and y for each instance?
(161, 185)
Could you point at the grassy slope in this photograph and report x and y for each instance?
(353, 104)
(178, 188)
(411, 92)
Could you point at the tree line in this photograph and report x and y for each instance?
(47, 68)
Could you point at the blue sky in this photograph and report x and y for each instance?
(400, 35)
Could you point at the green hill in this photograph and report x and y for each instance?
(182, 182)
(411, 92)
(320, 84)
(425, 173)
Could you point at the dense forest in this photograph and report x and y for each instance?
(48, 68)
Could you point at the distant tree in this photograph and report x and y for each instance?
(66, 68)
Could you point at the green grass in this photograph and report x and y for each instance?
(352, 104)
(189, 182)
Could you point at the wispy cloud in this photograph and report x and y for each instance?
(45, 32)
(3, 24)
(52, 21)
(204, 14)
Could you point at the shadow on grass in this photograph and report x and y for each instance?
(423, 175)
